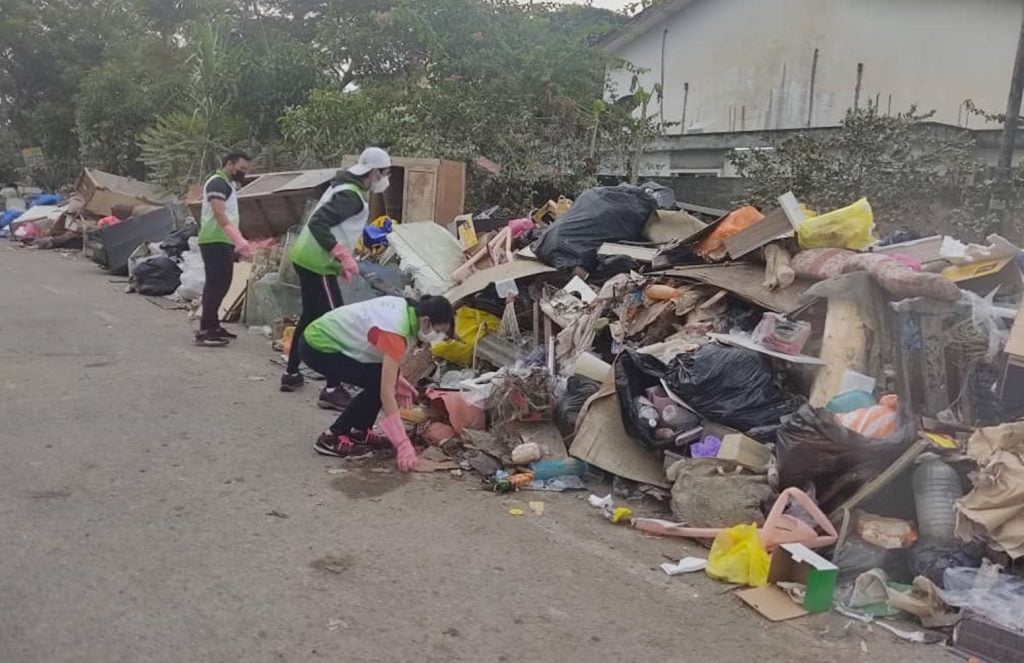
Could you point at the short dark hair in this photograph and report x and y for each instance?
(233, 157)
(437, 309)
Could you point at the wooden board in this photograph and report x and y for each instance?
(844, 346)
(239, 282)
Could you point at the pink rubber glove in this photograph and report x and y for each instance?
(395, 430)
(349, 268)
(242, 245)
(405, 393)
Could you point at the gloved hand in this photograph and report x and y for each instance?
(395, 430)
(242, 245)
(349, 267)
(405, 393)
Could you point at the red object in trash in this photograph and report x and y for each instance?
(109, 221)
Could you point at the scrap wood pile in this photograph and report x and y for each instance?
(824, 408)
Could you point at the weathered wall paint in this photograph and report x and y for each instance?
(748, 63)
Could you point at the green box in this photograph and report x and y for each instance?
(795, 562)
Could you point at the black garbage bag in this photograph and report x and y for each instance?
(730, 386)
(156, 276)
(567, 409)
(599, 215)
(609, 266)
(813, 447)
(664, 196)
(177, 242)
(636, 372)
(931, 558)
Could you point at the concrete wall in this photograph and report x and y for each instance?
(748, 62)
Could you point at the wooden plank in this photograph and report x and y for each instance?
(844, 346)
(420, 195)
(239, 282)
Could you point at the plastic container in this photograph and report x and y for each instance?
(558, 467)
(850, 401)
(936, 489)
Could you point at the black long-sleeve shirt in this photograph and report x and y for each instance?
(341, 206)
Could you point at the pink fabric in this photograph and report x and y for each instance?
(520, 226)
(461, 415)
(109, 221)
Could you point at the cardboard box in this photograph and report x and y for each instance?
(984, 277)
(794, 562)
(744, 451)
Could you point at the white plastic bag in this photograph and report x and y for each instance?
(193, 273)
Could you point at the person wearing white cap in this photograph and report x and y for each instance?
(323, 253)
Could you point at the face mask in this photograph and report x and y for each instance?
(432, 336)
(238, 176)
(381, 185)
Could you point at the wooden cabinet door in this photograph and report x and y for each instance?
(420, 193)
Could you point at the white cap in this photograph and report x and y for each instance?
(371, 158)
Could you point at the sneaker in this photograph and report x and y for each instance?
(209, 340)
(339, 446)
(338, 399)
(371, 438)
(292, 381)
(220, 332)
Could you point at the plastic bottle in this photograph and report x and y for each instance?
(647, 412)
(558, 467)
(936, 490)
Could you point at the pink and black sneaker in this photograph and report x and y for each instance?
(339, 446)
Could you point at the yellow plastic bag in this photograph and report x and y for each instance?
(847, 228)
(737, 556)
(470, 325)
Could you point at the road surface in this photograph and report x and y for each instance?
(162, 502)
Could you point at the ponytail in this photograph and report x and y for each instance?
(437, 309)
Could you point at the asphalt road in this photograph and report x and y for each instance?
(162, 502)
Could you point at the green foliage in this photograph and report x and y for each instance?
(911, 172)
(115, 103)
(464, 79)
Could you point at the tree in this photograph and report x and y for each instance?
(464, 79)
(907, 169)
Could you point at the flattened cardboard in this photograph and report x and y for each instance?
(773, 603)
(745, 280)
(602, 441)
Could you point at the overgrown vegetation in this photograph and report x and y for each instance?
(914, 174)
(157, 89)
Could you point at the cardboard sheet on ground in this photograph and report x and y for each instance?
(747, 343)
(483, 278)
(602, 441)
(747, 282)
(429, 253)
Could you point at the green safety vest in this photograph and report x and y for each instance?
(308, 253)
(210, 231)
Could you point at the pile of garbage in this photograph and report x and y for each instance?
(837, 416)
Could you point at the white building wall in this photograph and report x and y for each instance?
(748, 62)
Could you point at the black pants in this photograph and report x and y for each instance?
(320, 294)
(364, 408)
(219, 264)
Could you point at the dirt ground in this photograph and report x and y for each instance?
(162, 502)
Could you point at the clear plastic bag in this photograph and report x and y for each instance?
(986, 592)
